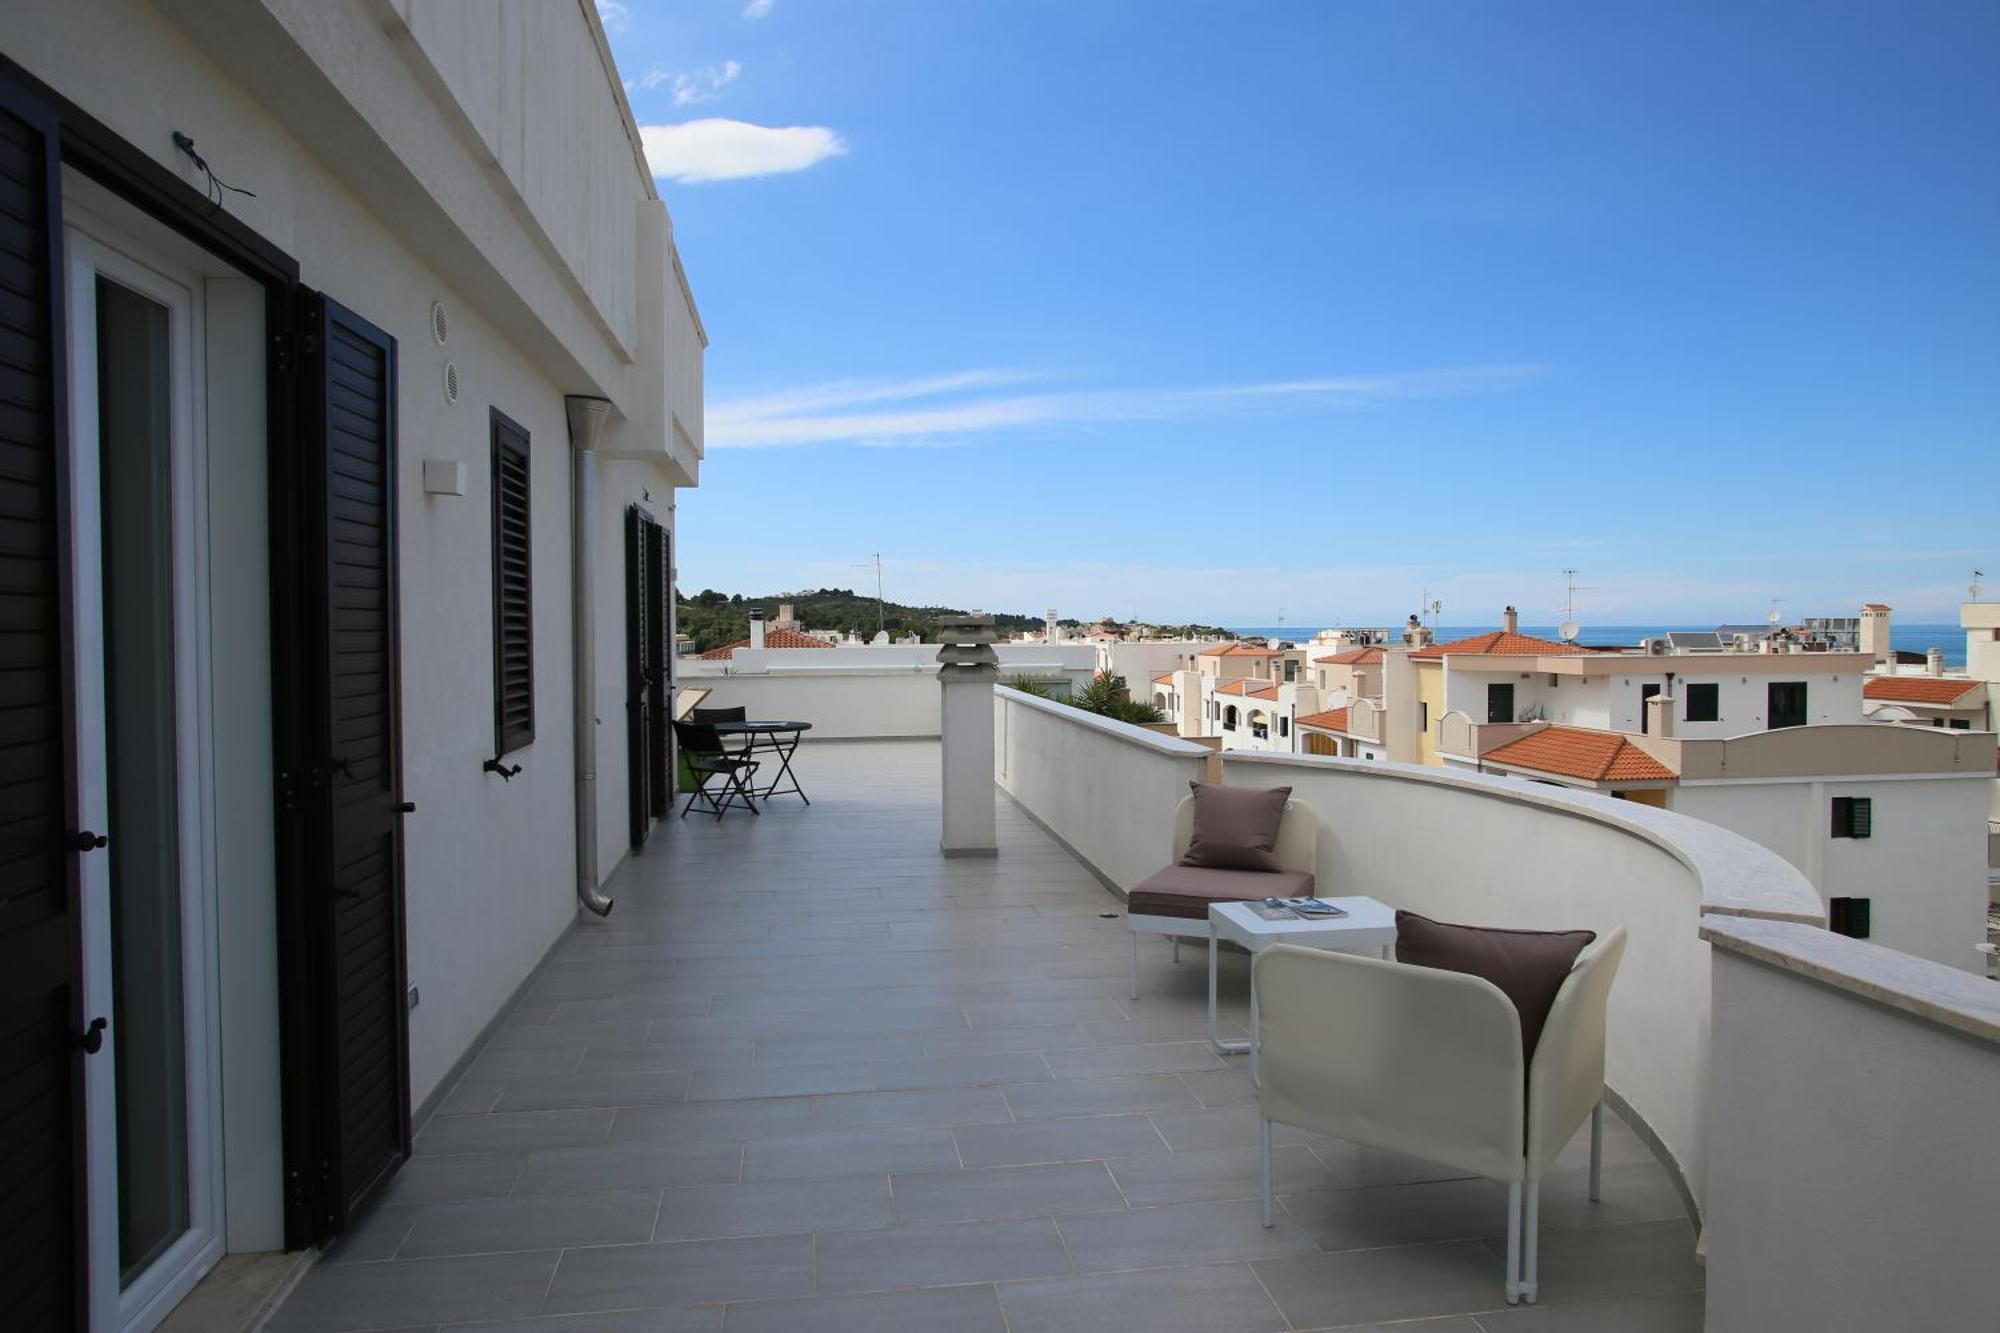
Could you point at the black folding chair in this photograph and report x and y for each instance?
(722, 777)
(710, 716)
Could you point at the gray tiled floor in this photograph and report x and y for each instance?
(811, 1076)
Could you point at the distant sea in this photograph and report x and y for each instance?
(1906, 638)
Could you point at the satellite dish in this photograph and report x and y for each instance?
(1569, 629)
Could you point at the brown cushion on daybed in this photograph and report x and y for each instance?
(1527, 965)
(1235, 828)
(1186, 891)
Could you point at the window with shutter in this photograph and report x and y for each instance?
(1853, 816)
(513, 603)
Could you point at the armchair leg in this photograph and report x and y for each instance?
(1264, 1166)
(1177, 949)
(1532, 1224)
(1596, 1150)
(1513, 1242)
(1135, 964)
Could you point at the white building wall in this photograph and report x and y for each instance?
(1923, 868)
(1614, 702)
(368, 180)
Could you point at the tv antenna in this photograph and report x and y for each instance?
(875, 562)
(1974, 587)
(1569, 629)
(1430, 606)
(1776, 617)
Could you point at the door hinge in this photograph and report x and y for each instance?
(281, 352)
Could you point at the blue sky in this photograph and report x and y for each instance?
(1217, 311)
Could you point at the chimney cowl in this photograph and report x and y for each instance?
(1510, 620)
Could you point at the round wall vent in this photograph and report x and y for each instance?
(440, 322)
(451, 381)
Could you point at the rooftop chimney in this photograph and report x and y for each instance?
(1415, 634)
(1934, 660)
(1874, 638)
(756, 627)
(786, 620)
(1510, 620)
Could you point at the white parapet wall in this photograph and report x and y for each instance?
(1854, 1180)
(852, 704)
(1107, 789)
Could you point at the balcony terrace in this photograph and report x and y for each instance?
(810, 1075)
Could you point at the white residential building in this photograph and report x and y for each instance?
(349, 370)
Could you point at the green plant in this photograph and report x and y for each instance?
(1029, 685)
(1107, 696)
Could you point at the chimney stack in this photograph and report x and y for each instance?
(786, 618)
(1934, 660)
(1875, 633)
(1510, 620)
(1415, 634)
(756, 627)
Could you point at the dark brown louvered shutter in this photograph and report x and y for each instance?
(362, 1045)
(513, 600)
(659, 667)
(41, 1254)
(639, 702)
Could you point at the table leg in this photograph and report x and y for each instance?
(1215, 1041)
(784, 752)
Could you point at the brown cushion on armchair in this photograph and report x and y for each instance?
(1527, 965)
(1186, 891)
(1235, 828)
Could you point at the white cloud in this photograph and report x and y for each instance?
(613, 15)
(704, 84)
(757, 9)
(822, 413)
(715, 149)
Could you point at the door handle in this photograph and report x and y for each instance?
(83, 840)
(91, 1039)
(406, 808)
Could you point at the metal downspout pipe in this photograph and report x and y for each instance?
(586, 422)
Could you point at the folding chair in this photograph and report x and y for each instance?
(718, 773)
(710, 716)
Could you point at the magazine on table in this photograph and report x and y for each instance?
(1295, 909)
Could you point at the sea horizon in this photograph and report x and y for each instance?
(1913, 638)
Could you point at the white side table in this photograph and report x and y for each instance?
(1368, 927)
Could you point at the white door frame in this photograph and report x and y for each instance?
(156, 1291)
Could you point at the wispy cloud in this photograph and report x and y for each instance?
(905, 412)
(757, 9)
(692, 87)
(613, 15)
(714, 149)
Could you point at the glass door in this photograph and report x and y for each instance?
(150, 1096)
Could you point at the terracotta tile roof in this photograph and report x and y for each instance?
(1503, 644)
(773, 638)
(1919, 689)
(1166, 679)
(1236, 650)
(1250, 689)
(1873, 606)
(1334, 719)
(1582, 752)
(1353, 657)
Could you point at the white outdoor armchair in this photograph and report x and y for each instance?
(1428, 1063)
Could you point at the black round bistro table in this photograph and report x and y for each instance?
(781, 739)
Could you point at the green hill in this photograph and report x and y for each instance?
(713, 619)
